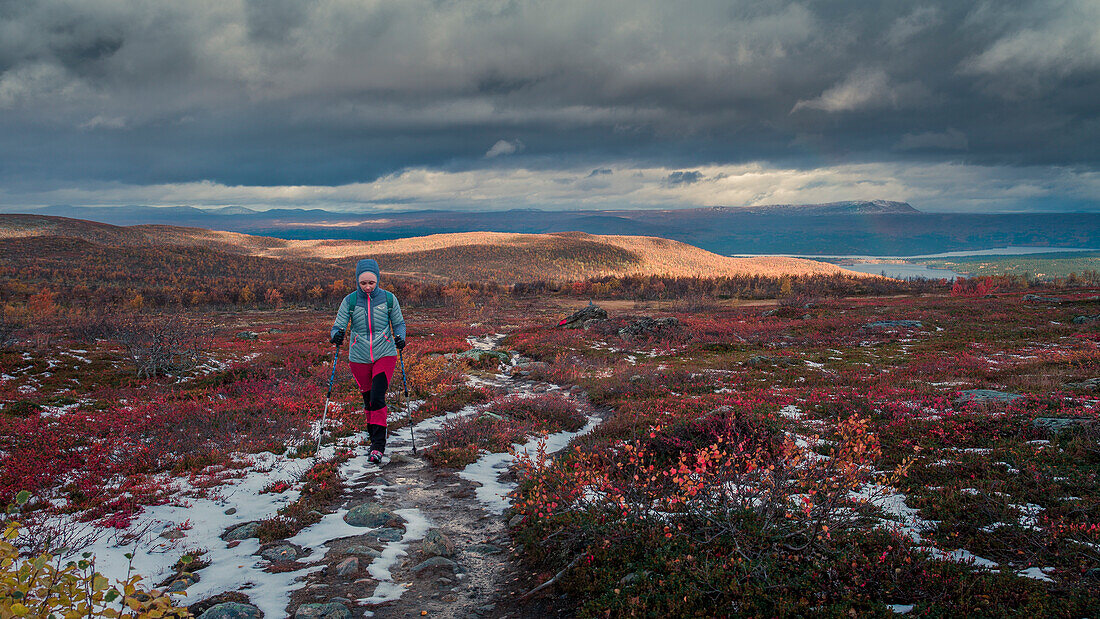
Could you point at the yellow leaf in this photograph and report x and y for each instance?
(19, 609)
(99, 582)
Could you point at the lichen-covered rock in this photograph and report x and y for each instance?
(1091, 384)
(1059, 424)
(347, 566)
(437, 544)
(1035, 298)
(241, 532)
(894, 324)
(648, 326)
(985, 395)
(577, 319)
(436, 564)
(368, 515)
(232, 610)
(279, 552)
(332, 610)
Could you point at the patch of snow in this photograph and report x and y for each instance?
(231, 568)
(893, 505)
(387, 590)
(961, 555)
(485, 342)
(900, 609)
(1038, 573)
(486, 471)
(1029, 515)
(57, 411)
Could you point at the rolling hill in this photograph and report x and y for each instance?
(468, 256)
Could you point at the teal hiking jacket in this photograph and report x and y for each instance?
(369, 332)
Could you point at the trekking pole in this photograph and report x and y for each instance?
(405, 383)
(328, 396)
(408, 414)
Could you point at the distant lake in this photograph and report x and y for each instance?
(1011, 250)
(902, 271)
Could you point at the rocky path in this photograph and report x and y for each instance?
(421, 540)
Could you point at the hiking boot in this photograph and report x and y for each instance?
(375, 457)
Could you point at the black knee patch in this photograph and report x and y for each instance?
(377, 392)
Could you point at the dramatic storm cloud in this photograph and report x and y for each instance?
(102, 99)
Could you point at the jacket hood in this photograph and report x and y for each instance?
(364, 266)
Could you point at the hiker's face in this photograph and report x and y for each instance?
(367, 282)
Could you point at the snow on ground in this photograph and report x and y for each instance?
(231, 568)
(416, 526)
(238, 568)
(485, 342)
(486, 471)
(1038, 573)
(791, 411)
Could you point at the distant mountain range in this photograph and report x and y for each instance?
(877, 227)
(468, 256)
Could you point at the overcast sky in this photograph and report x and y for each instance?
(487, 104)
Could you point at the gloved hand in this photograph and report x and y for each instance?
(399, 342)
(338, 337)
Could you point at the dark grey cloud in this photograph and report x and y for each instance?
(287, 92)
(683, 178)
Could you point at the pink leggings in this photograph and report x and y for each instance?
(373, 380)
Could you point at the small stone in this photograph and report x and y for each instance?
(233, 544)
(332, 610)
(437, 544)
(347, 566)
(485, 549)
(232, 610)
(363, 550)
(387, 534)
(515, 521)
(241, 532)
(368, 515)
(230, 511)
(173, 534)
(633, 576)
(1084, 320)
(279, 552)
(436, 563)
(248, 335)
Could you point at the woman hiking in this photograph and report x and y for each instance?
(373, 318)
